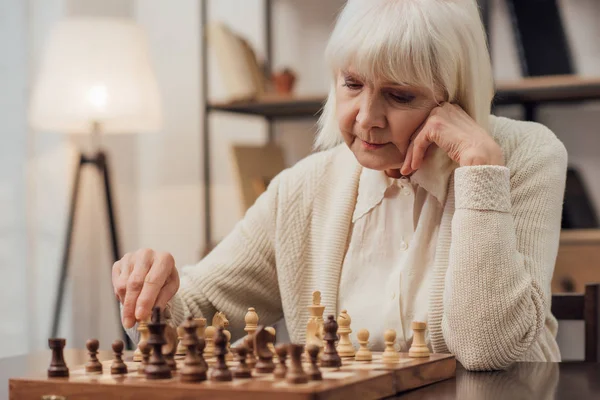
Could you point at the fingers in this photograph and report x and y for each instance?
(406, 169)
(143, 261)
(168, 290)
(120, 274)
(155, 280)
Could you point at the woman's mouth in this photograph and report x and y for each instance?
(371, 146)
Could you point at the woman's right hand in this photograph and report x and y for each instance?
(143, 280)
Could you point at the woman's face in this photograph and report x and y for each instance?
(377, 119)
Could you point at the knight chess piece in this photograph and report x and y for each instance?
(330, 357)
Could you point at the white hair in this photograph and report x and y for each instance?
(435, 44)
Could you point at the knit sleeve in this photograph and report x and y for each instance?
(505, 234)
(239, 273)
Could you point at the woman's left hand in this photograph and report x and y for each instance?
(455, 132)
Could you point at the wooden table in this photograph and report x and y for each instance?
(579, 381)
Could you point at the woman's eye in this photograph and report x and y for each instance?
(352, 85)
(401, 98)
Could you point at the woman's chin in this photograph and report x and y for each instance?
(379, 159)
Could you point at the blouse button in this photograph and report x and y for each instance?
(406, 191)
(403, 245)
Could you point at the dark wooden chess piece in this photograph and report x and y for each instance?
(58, 367)
(314, 374)
(295, 373)
(201, 346)
(262, 338)
(93, 365)
(193, 370)
(170, 360)
(145, 349)
(221, 372)
(118, 367)
(250, 358)
(157, 367)
(330, 357)
(242, 370)
(280, 368)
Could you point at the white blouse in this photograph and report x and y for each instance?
(386, 271)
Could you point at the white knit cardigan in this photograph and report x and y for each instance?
(497, 245)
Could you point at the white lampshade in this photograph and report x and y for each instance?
(96, 70)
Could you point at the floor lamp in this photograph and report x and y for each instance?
(95, 78)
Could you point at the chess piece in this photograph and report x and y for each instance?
(118, 367)
(145, 349)
(201, 346)
(262, 338)
(228, 355)
(93, 365)
(344, 347)
(193, 369)
(201, 326)
(220, 320)
(271, 345)
(296, 374)
(251, 320)
(390, 355)
(220, 372)
(170, 347)
(314, 327)
(144, 335)
(209, 336)
(250, 358)
(330, 357)
(181, 349)
(418, 348)
(157, 367)
(281, 369)
(58, 367)
(363, 353)
(170, 360)
(242, 370)
(314, 374)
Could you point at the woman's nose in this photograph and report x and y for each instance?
(371, 113)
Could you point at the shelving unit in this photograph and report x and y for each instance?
(527, 92)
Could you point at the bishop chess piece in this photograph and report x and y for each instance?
(242, 370)
(418, 348)
(118, 367)
(330, 357)
(262, 338)
(58, 367)
(280, 369)
(344, 347)
(221, 372)
(390, 355)
(251, 319)
(93, 366)
(193, 369)
(363, 353)
(296, 374)
(145, 349)
(250, 358)
(314, 374)
(157, 367)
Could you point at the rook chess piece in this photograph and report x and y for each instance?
(344, 347)
(157, 367)
(330, 357)
(390, 355)
(209, 336)
(314, 374)
(242, 370)
(250, 358)
(280, 368)
(295, 373)
(118, 367)
(58, 367)
(220, 372)
(418, 348)
(93, 366)
(363, 353)
(193, 369)
(145, 349)
(262, 338)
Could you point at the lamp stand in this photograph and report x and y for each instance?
(100, 162)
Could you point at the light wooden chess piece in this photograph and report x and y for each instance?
(209, 337)
(390, 355)
(344, 347)
(251, 320)
(220, 320)
(181, 349)
(271, 345)
(418, 348)
(316, 309)
(144, 335)
(229, 354)
(201, 326)
(363, 353)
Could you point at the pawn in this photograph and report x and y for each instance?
(242, 370)
(363, 353)
(229, 355)
(181, 349)
(145, 349)
(58, 367)
(209, 336)
(271, 345)
(296, 374)
(250, 358)
(118, 367)
(330, 357)
(419, 347)
(390, 355)
(220, 372)
(314, 374)
(280, 367)
(93, 365)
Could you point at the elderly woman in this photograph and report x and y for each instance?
(421, 205)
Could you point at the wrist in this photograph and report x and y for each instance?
(492, 157)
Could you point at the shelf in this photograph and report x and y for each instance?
(527, 90)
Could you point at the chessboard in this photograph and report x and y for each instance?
(353, 380)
